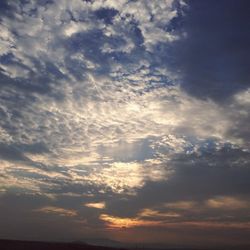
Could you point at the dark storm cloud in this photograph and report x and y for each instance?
(214, 57)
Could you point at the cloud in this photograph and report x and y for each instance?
(156, 214)
(57, 210)
(213, 59)
(98, 205)
(227, 203)
(125, 177)
(181, 205)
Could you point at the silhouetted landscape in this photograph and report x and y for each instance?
(40, 245)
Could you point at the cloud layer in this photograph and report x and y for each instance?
(114, 115)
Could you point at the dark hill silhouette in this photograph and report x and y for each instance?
(36, 245)
(40, 245)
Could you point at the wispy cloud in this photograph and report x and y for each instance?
(98, 205)
(57, 210)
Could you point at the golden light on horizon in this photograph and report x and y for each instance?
(118, 222)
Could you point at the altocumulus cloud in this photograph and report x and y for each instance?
(111, 117)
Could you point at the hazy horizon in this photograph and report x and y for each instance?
(125, 120)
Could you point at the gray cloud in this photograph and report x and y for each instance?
(214, 55)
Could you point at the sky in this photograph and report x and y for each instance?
(125, 119)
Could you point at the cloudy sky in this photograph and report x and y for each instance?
(125, 119)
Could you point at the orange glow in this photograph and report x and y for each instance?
(118, 222)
